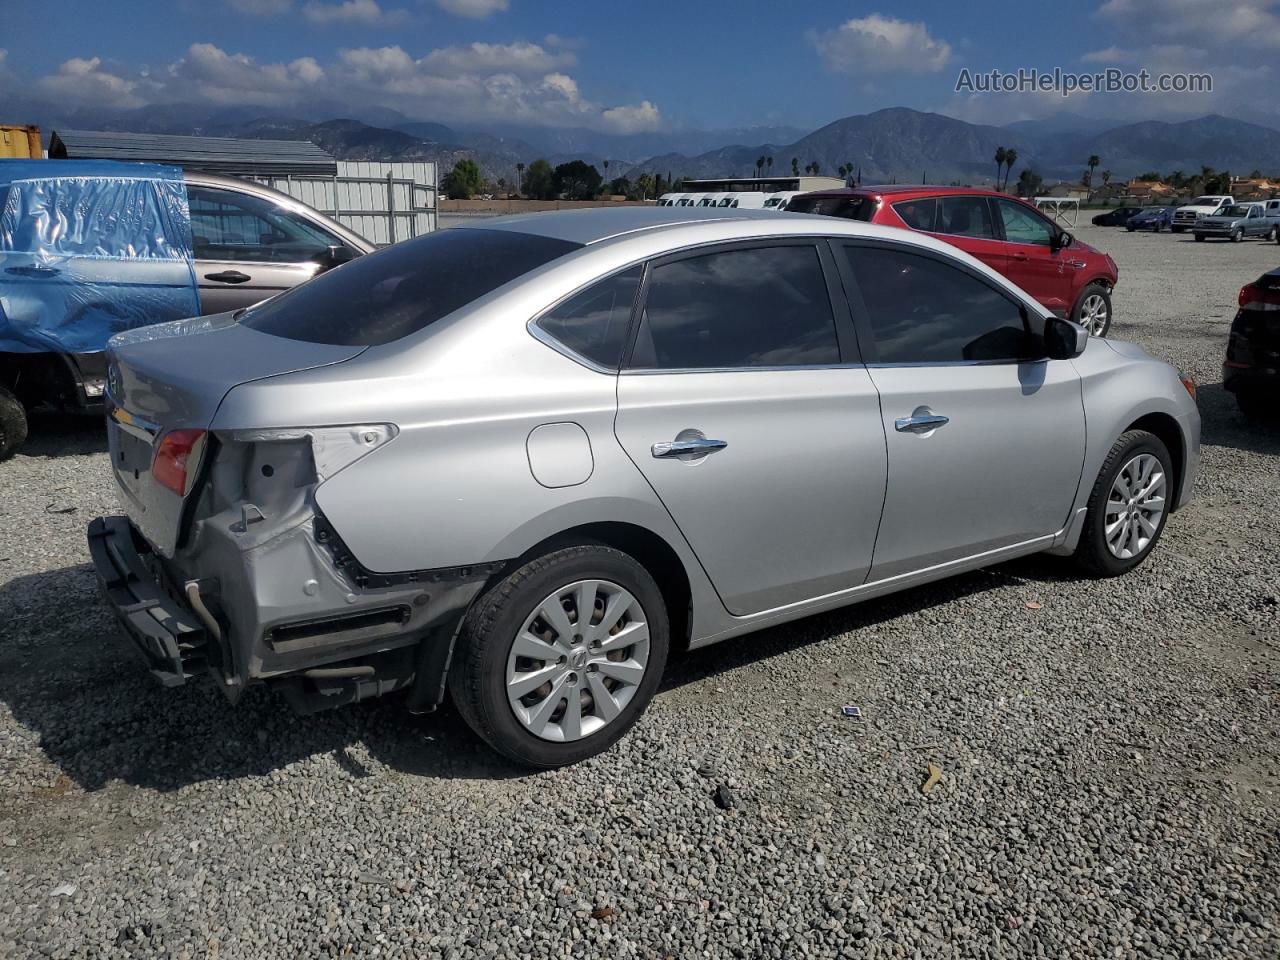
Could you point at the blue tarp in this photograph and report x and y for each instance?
(89, 248)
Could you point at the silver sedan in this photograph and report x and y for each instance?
(521, 462)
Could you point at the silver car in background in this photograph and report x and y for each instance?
(523, 461)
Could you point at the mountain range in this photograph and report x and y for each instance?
(896, 143)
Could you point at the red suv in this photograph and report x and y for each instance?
(1069, 277)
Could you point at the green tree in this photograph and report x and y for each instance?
(1091, 163)
(1029, 184)
(795, 166)
(577, 180)
(759, 165)
(1010, 157)
(464, 181)
(620, 187)
(1106, 177)
(539, 181)
(519, 176)
(644, 186)
(1001, 156)
(768, 162)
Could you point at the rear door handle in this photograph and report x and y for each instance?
(1020, 256)
(229, 276)
(683, 448)
(920, 424)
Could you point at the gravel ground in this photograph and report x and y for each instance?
(1107, 750)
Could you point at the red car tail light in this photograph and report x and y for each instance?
(176, 459)
(1255, 297)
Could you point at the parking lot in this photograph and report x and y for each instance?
(1109, 755)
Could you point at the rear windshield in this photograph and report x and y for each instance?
(392, 293)
(850, 208)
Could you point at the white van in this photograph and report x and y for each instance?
(779, 200)
(745, 200)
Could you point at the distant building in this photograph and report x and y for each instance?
(1254, 188)
(234, 156)
(1150, 191)
(761, 184)
(1068, 191)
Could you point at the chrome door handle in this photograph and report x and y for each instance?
(681, 448)
(920, 424)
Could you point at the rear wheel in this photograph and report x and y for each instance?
(557, 661)
(1128, 505)
(13, 423)
(1093, 310)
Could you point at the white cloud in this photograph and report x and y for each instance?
(364, 12)
(633, 118)
(878, 44)
(1247, 23)
(262, 8)
(516, 82)
(475, 9)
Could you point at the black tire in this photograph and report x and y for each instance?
(1129, 228)
(1176, 229)
(13, 424)
(1199, 238)
(477, 674)
(1236, 235)
(1078, 310)
(1092, 552)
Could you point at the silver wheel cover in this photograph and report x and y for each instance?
(1093, 314)
(1135, 506)
(568, 675)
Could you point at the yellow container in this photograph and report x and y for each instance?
(19, 142)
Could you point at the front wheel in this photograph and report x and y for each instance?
(1177, 229)
(1199, 238)
(558, 660)
(1128, 505)
(1236, 235)
(13, 423)
(1093, 310)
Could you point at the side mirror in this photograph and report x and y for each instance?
(1061, 240)
(334, 256)
(1064, 339)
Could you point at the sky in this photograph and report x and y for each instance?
(635, 67)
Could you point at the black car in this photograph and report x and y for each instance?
(1252, 368)
(1115, 218)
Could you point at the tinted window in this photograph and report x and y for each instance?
(594, 323)
(917, 214)
(1023, 226)
(766, 306)
(850, 208)
(228, 225)
(924, 311)
(389, 294)
(966, 217)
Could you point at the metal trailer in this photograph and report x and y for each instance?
(383, 202)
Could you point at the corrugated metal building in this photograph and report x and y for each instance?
(382, 201)
(237, 158)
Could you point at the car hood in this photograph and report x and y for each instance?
(1080, 245)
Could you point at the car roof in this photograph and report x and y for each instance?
(603, 223)
(902, 191)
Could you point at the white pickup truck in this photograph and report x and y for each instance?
(1185, 217)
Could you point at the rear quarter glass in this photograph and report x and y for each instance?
(391, 293)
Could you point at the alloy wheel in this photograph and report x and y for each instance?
(1135, 507)
(1093, 314)
(577, 660)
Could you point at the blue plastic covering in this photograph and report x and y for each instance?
(89, 248)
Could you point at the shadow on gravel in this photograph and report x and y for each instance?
(69, 677)
(59, 434)
(1223, 425)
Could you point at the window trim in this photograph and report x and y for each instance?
(937, 205)
(846, 337)
(1004, 237)
(545, 337)
(862, 316)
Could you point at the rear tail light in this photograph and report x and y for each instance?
(176, 459)
(1256, 297)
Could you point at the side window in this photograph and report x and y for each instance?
(1023, 226)
(922, 310)
(966, 217)
(917, 214)
(754, 307)
(594, 323)
(228, 225)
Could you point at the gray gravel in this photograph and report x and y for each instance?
(1109, 758)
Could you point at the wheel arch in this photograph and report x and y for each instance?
(1165, 427)
(649, 549)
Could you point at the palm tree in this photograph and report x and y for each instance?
(795, 166)
(1010, 156)
(759, 165)
(1106, 177)
(768, 162)
(1001, 156)
(520, 178)
(1092, 162)
(606, 170)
